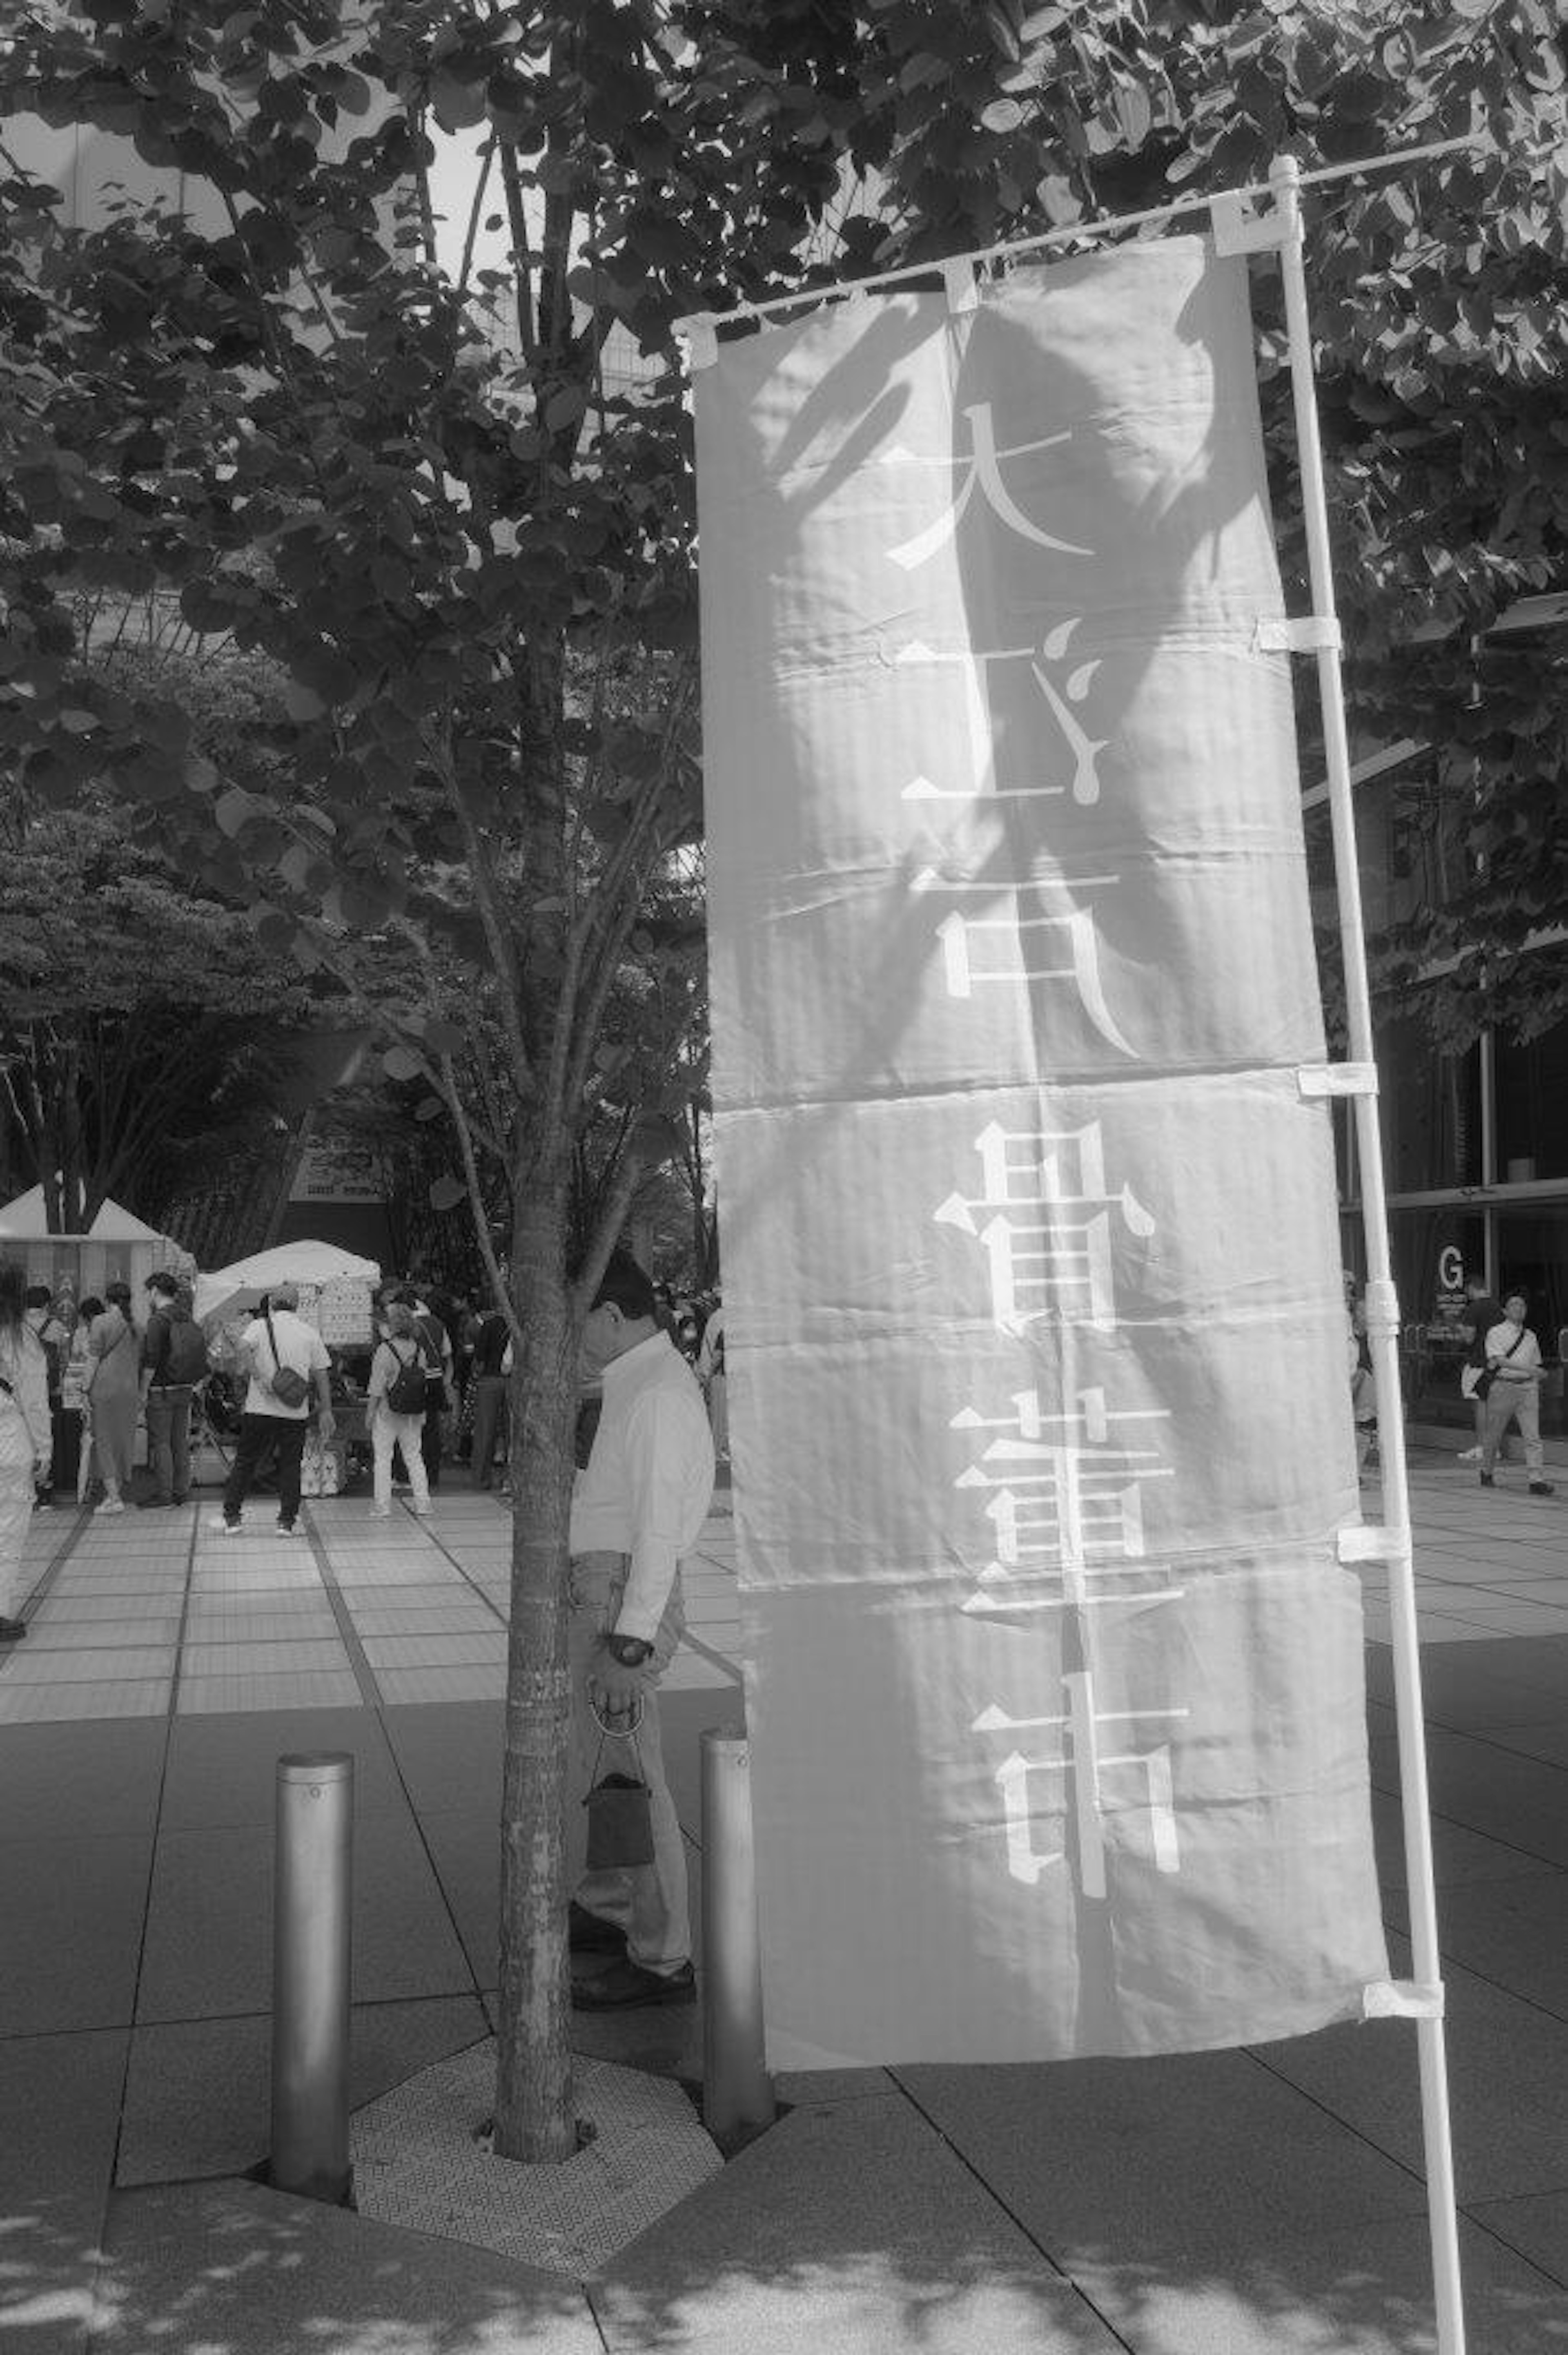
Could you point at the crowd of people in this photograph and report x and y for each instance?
(111, 1367)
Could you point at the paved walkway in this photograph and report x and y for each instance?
(1219, 2204)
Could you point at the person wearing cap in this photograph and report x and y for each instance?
(115, 1394)
(279, 1338)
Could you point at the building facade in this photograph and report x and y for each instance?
(1474, 1142)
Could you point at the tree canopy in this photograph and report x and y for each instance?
(137, 1020)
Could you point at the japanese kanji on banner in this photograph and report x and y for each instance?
(1035, 1331)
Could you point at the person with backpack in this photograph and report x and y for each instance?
(174, 1367)
(394, 1407)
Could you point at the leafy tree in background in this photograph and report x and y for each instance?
(291, 421)
(120, 1048)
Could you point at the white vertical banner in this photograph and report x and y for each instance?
(1034, 1324)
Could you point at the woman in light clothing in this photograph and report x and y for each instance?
(398, 1346)
(25, 1441)
(115, 1394)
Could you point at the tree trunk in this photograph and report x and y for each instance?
(534, 2110)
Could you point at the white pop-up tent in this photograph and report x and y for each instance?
(228, 1290)
(118, 1244)
(114, 1223)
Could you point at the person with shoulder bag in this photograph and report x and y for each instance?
(394, 1408)
(286, 1360)
(26, 1442)
(1513, 1392)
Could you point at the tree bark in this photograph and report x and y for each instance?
(533, 2109)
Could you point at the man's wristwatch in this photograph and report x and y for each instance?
(627, 1651)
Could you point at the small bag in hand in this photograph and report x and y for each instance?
(619, 1823)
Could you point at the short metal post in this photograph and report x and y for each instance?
(737, 2092)
(312, 1885)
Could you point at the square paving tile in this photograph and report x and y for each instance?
(1508, 2078)
(1367, 2290)
(209, 1935)
(413, 1570)
(245, 2270)
(1537, 2227)
(198, 2095)
(60, 2096)
(482, 1646)
(1513, 1933)
(399, 1687)
(228, 1773)
(260, 1624)
(1184, 2151)
(1487, 1789)
(424, 1594)
(66, 1779)
(853, 2230)
(92, 1665)
(449, 1756)
(453, 1618)
(40, 1704)
(290, 1689)
(465, 1844)
(70, 1929)
(1457, 1856)
(47, 1631)
(250, 1657)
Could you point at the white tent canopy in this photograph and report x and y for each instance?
(229, 1289)
(113, 1224)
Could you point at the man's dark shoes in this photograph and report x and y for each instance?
(1543, 1488)
(12, 1630)
(590, 1933)
(155, 1504)
(626, 1985)
(1488, 1481)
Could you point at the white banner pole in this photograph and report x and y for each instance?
(1383, 1308)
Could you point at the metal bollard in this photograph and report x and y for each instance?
(313, 1886)
(737, 2092)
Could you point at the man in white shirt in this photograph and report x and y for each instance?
(639, 1505)
(277, 1339)
(1513, 1360)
